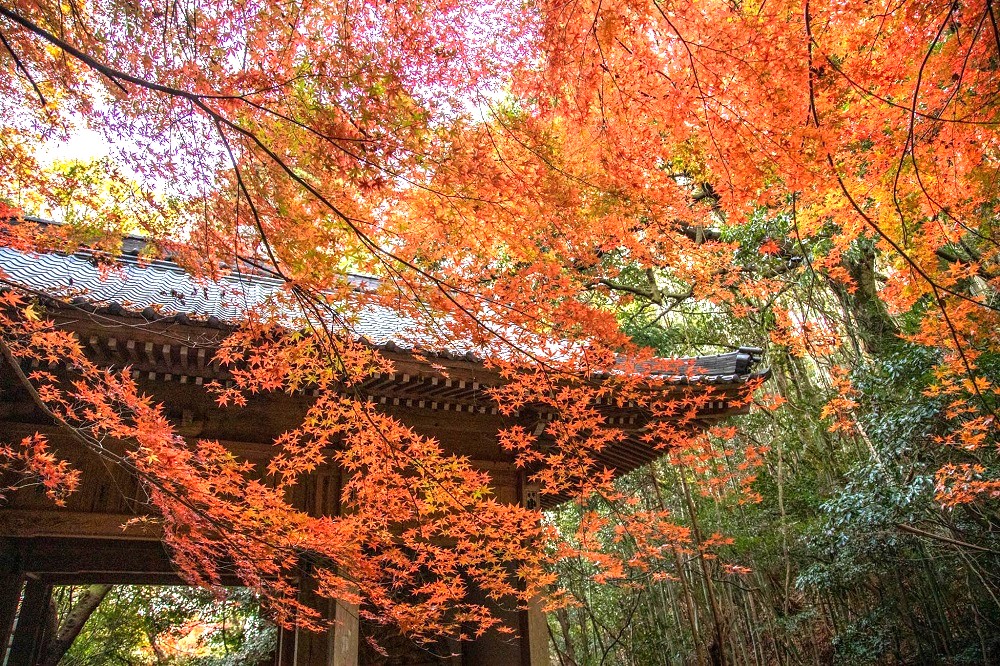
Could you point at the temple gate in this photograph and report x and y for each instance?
(156, 320)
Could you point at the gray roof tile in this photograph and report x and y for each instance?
(159, 289)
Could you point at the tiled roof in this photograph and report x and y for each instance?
(161, 290)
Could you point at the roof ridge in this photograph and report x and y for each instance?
(131, 255)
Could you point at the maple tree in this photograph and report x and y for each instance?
(513, 172)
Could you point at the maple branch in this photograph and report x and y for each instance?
(954, 258)
(895, 246)
(393, 448)
(935, 287)
(838, 68)
(913, 113)
(253, 208)
(700, 234)
(198, 100)
(697, 80)
(810, 42)
(307, 302)
(993, 22)
(653, 294)
(20, 65)
(909, 145)
(89, 442)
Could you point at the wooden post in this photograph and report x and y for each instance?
(284, 651)
(311, 648)
(534, 626)
(346, 630)
(26, 647)
(10, 596)
(336, 647)
(537, 639)
(345, 634)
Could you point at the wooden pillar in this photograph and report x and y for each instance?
(345, 634)
(336, 647)
(537, 638)
(284, 651)
(319, 495)
(534, 626)
(311, 648)
(10, 596)
(26, 647)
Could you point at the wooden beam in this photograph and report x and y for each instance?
(127, 578)
(26, 523)
(69, 561)
(69, 557)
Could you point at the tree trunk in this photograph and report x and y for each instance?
(717, 651)
(876, 328)
(70, 627)
(691, 613)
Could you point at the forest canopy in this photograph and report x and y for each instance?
(570, 187)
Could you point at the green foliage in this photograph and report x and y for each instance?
(138, 625)
(866, 640)
(853, 559)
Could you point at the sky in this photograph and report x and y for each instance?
(84, 145)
